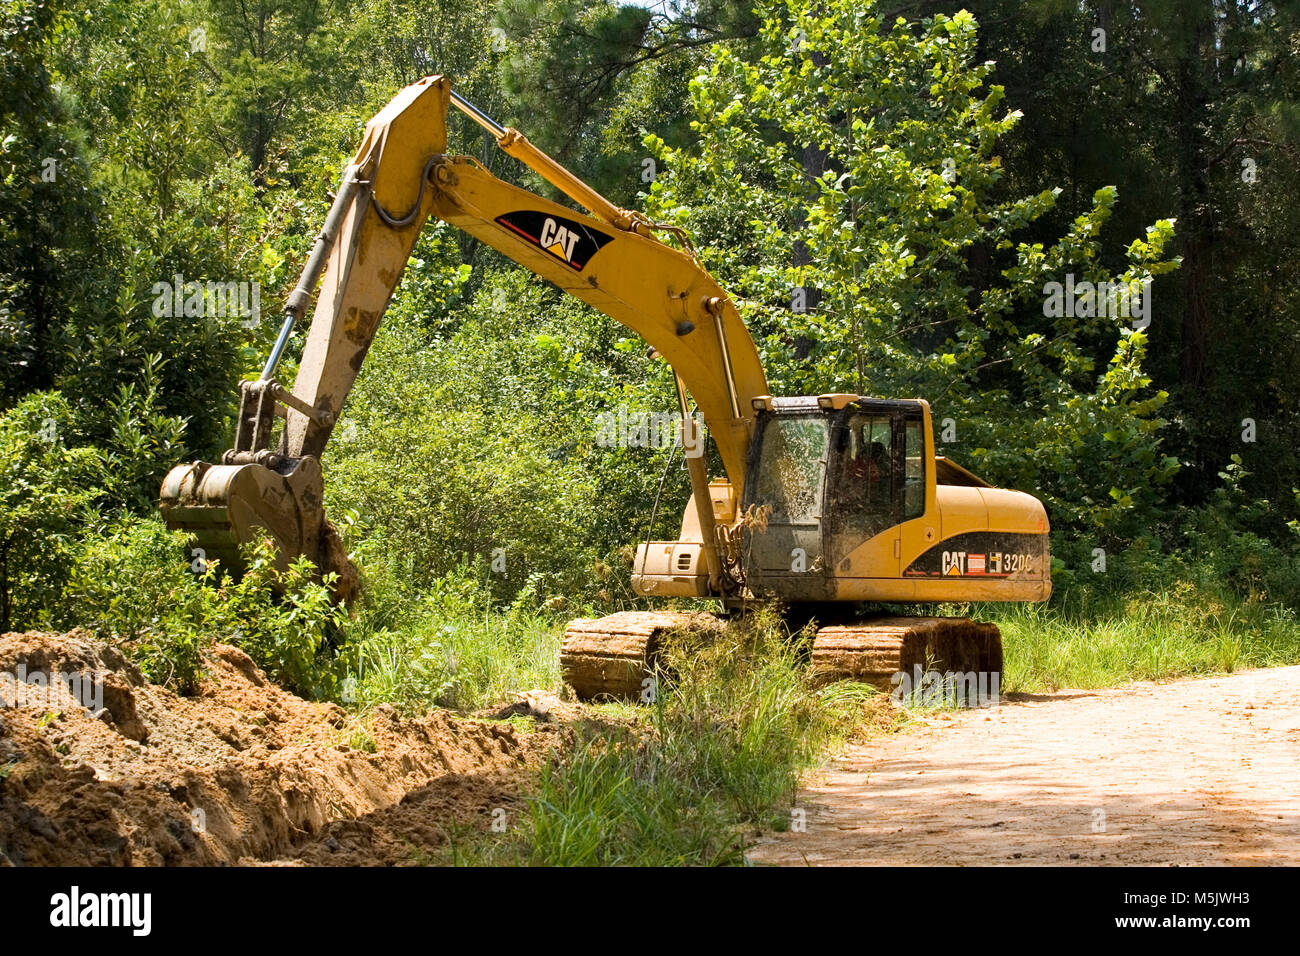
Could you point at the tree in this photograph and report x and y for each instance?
(46, 212)
(925, 286)
(592, 78)
(271, 65)
(1192, 107)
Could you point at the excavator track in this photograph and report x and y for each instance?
(612, 656)
(873, 651)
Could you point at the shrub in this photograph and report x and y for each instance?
(130, 584)
(45, 490)
(284, 620)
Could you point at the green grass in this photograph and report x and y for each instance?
(717, 757)
(1148, 636)
(457, 657)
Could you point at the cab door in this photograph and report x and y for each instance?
(864, 493)
(876, 483)
(783, 549)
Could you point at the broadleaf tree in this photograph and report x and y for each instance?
(891, 266)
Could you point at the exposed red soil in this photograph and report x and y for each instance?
(244, 772)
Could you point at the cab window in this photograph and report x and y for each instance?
(789, 467)
(914, 470)
(863, 496)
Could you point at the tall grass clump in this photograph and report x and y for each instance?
(451, 645)
(718, 754)
(1182, 630)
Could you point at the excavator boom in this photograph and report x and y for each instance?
(611, 259)
(401, 175)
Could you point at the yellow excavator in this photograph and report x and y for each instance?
(826, 501)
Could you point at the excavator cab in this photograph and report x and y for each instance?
(845, 499)
(834, 478)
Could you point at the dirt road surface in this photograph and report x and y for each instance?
(1191, 772)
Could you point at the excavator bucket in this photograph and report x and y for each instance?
(382, 202)
(222, 506)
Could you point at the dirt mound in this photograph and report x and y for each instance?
(100, 767)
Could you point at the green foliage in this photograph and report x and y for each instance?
(450, 475)
(131, 585)
(1223, 554)
(479, 444)
(284, 620)
(272, 62)
(1234, 539)
(855, 159)
(721, 750)
(449, 646)
(1178, 628)
(44, 203)
(45, 485)
(1217, 149)
(589, 79)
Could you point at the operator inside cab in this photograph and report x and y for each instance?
(868, 469)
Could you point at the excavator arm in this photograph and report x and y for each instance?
(610, 258)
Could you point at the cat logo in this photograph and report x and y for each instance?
(573, 243)
(558, 240)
